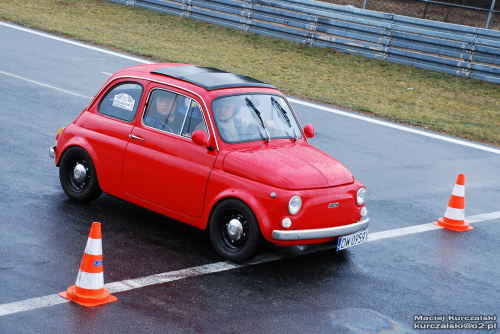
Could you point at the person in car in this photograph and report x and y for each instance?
(164, 113)
(230, 127)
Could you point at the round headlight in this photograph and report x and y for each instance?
(361, 196)
(294, 204)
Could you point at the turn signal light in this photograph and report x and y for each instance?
(59, 132)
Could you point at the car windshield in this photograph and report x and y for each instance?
(243, 118)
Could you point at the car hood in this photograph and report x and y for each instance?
(293, 166)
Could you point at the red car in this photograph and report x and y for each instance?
(219, 151)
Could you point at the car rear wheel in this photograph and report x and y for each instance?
(78, 176)
(234, 230)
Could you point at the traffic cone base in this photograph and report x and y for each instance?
(88, 298)
(458, 226)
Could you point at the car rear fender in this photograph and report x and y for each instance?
(78, 141)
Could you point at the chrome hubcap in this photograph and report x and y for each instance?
(235, 229)
(79, 173)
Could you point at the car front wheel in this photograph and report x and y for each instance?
(234, 230)
(78, 176)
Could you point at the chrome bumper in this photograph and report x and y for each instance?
(52, 152)
(321, 233)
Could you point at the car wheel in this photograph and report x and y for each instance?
(234, 230)
(78, 176)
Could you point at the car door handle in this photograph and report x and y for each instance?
(136, 137)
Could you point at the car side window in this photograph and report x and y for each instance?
(194, 120)
(121, 101)
(166, 111)
(174, 113)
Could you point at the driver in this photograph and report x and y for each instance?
(164, 115)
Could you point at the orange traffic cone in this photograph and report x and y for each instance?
(454, 217)
(89, 287)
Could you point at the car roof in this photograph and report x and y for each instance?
(209, 78)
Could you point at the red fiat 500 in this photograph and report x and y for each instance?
(220, 151)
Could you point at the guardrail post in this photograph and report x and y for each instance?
(246, 13)
(425, 10)
(312, 26)
(187, 8)
(467, 57)
(490, 15)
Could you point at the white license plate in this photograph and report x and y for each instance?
(354, 239)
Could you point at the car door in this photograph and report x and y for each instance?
(162, 165)
(107, 128)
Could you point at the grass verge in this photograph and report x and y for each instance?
(465, 108)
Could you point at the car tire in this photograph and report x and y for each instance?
(234, 230)
(78, 176)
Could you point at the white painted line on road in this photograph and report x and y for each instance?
(55, 299)
(45, 85)
(397, 126)
(402, 232)
(483, 217)
(171, 276)
(31, 304)
(427, 227)
(130, 284)
(308, 104)
(68, 41)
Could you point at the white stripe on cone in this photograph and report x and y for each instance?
(90, 281)
(455, 214)
(94, 247)
(458, 190)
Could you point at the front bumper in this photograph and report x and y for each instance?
(52, 152)
(320, 233)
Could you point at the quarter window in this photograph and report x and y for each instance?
(194, 120)
(122, 101)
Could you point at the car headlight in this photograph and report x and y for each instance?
(294, 204)
(361, 196)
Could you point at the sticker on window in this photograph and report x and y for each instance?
(124, 101)
(283, 103)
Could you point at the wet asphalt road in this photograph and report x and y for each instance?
(377, 287)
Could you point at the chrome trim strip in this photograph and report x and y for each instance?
(320, 233)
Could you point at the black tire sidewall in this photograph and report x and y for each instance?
(254, 235)
(92, 190)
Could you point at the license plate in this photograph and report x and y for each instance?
(354, 239)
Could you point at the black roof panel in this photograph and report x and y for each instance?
(210, 78)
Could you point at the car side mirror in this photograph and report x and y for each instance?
(309, 130)
(199, 137)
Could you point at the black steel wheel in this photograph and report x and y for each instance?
(234, 230)
(78, 176)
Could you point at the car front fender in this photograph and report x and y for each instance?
(252, 201)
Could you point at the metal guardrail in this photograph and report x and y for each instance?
(475, 13)
(453, 49)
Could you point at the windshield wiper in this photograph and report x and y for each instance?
(284, 115)
(257, 113)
